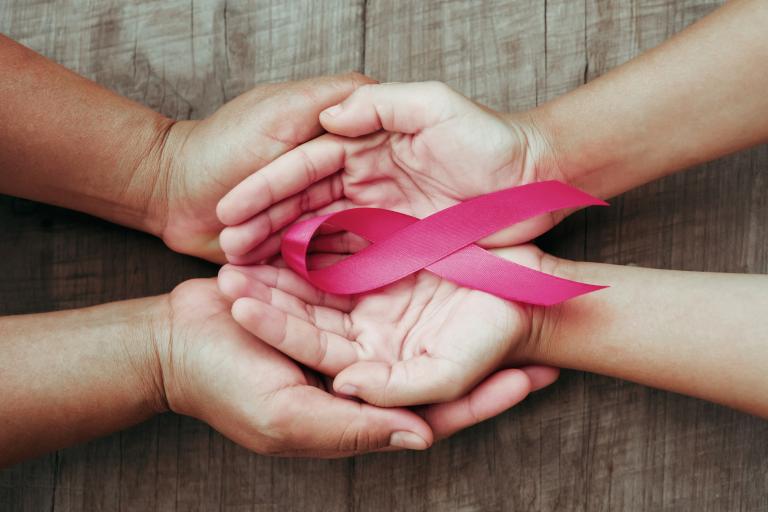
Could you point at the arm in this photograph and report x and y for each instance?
(70, 142)
(698, 96)
(73, 375)
(700, 334)
(70, 376)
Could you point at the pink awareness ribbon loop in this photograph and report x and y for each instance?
(442, 243)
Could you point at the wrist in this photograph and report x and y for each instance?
(151, 173)
(596, 150)
(548, 323)
(574, 157)
(155, 333)
(542, 160)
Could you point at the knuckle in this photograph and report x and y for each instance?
(356, 438)
(357, 78)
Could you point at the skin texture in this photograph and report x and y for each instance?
(73, 375)
(418, 148)
(70, 376)
(92, 371)
(420, 340)
(696, 333)
(203, 160)
(168, 180)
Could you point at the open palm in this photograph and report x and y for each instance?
(420, 340)
(412, 148)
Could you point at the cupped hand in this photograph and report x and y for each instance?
(414, 148)
(202, 160)
(217, 371)
(420, 340)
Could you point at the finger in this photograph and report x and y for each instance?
(271, 246)
(398, 107)
(323, 259)
(325, 319)
(299, 339)
(339, 243)
(420, 380)
(288, 281)
(261, 253)
(285, 176)
(496, 394)
(287, 112)
(521, 232)
(541, 376)
(238, 240)
(309, 421)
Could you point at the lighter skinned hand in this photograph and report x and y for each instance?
(414, 148)
(420, 340)
(217, 371)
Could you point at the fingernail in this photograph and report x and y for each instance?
(407, 440)
(348, 389)
(332, 111)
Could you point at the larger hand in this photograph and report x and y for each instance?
(418, 148)
(202, 160)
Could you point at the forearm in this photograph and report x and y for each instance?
(700, 334)
(698, 96)
(74, 375)
(68, 141)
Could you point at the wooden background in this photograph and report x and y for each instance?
(587, 443)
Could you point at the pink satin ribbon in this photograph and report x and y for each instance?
(443, 244)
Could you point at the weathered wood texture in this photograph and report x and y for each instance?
(588, 443)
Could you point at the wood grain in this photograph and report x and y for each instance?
(587, 443)
(184, 59)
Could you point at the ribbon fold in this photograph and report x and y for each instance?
(442, 243)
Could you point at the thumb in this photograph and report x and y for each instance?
(395, 107)
(285, 112)
(308, 421)
(421, 380)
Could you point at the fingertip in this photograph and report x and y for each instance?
(242, 309)
(228, 240)
(230, 281)
(541, 376)
(408, 440)
(226, 211)
(331, 112)
(408, 430)
(364, 380)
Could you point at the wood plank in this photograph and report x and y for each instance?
(494, 52)
(590, 442)
(587, 443)
(655, 450)
(184, 59)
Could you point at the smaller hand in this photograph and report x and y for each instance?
(420, 340)
(202, 160)
(215, 370)
(414, 148)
